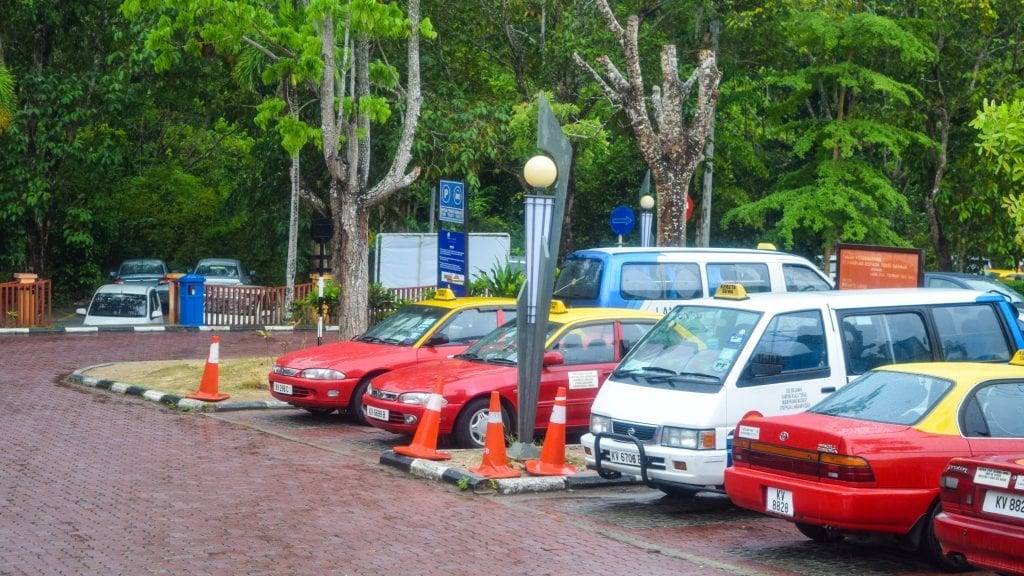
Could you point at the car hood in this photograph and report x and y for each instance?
(455, 375)
(347, 356)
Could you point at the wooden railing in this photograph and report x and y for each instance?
(26, 303)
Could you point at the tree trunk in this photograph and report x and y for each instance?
(351, 264)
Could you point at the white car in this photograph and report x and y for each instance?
(224, 272)
(123, 304)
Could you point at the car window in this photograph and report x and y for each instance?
(800, 278)
(971, 332)
(753, 276)
(469, 325)
(887, 397)
(660, 280)
(588, 344)
(119, 305)
(995, 411)
(791, 344)
(871, 340)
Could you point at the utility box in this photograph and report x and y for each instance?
(192, 294)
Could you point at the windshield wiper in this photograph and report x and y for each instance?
(500, 361)
(467, 356)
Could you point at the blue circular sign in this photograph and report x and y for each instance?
(622, 220)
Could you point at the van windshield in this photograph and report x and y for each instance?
(580, 278)
(691, 344)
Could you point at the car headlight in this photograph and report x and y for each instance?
(687, 438)
(414, 398)
(600, 424)
(322, 374)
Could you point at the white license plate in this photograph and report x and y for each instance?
(1004, 504)
(778, 501)
(283, 388)
(627, 458)
(377, 413)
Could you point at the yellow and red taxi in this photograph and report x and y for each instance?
(334, 376)
(982, 517)
(582, 347)
(868, 458)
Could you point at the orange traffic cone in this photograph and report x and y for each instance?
(495, 460)
(552, 455)
(424, 442)
(208, 386)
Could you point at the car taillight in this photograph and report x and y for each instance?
(845, 468)
(118, 280)
(798, 461)
(956, 487)
(164, 281)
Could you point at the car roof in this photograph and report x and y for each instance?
(967, 373)
(466, 302)
(846, 299)
(124, 289)
(219, 261)
(583, 314)
(746, 252)
(143, 260)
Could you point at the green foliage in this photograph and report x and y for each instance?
(504, 279)
(306, 308)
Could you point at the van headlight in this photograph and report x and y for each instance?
(686, 438)
(600, 424)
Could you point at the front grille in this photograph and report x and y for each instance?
(381, 394)
(642, 432)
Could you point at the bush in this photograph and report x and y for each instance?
(503, 280)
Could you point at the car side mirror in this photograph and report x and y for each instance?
(436, 340)
(81, 311)
(553, 358)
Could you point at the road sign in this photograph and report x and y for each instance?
(451, 261)
(453, 202)
(622, 220)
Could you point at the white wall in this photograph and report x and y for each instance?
(407, 260)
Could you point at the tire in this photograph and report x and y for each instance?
(319, 411)
(355, 403)
(820, 534)
(471, 424)
(932, 550)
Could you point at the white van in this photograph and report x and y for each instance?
(659, 278)
(668, 410)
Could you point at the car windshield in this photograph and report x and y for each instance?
(219, 270)
(888, 397)
(407, 325)
(691, 344)
(119, 305)
(140, 268)
(500, 346)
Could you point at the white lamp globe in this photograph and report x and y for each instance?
(540, 171)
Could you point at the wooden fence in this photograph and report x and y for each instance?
(26, 302)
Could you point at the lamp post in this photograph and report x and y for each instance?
(646, 218)
(539, 172)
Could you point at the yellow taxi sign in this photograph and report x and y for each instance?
(766, 246)
(1018, 358)
(444, 294)
(731, 291)
(558, 307)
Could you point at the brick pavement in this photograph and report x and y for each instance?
(95, 483)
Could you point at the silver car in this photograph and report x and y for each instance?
(144, 272)
(224, 272)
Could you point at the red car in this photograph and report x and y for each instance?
(982, 516)
(583, 347)
(334, 376)
(868, 458)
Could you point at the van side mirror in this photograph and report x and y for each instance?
(765, 365)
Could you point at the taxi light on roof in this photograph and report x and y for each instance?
(766, 246)
(731, 291)
(1018, 358)
(558, 307)
(444, 294)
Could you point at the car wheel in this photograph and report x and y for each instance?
(319, 411)
(933, 550)
(355, 404)
(471, 425)
(820, 534)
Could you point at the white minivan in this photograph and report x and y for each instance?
(668, 410)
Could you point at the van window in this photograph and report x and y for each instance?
(971, 332)
(580, 278)
(752, 275)
(660, 280)
(871, 340)
(791, 345)
(800, 278)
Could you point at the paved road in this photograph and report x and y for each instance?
(97, 483)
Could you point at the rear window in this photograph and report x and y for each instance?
(888, 397)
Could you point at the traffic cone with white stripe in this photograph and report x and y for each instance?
(495, 460)
(208, 385)
(424, 442)
(552, 455)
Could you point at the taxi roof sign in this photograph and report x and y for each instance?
(558, 307)
(444, 294)
(731, 291)
(1018, 358)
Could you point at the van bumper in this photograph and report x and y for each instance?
(656, 465)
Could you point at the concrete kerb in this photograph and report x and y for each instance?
(172, 400)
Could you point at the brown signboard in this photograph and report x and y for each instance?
(860, 266)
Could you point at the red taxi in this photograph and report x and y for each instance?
(334, 376)
(583, 345)
(868, 458)
(982, 517)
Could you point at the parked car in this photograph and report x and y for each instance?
(224, 271)
(123, 304)
(583, 345)
(869, 457)
(975, 282)
(334, 376)
(982, 518)
(146, 272)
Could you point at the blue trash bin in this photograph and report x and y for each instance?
(192, 295)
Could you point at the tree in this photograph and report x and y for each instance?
(1001, 142)
(673, 151)
(6, 94)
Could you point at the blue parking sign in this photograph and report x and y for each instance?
(453, 201)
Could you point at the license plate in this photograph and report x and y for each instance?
(377, 413)
(779, 501)
(627, 458)
(283, 388)
(1004, 504)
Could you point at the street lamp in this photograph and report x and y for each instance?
(539, 172)
(646, 217)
